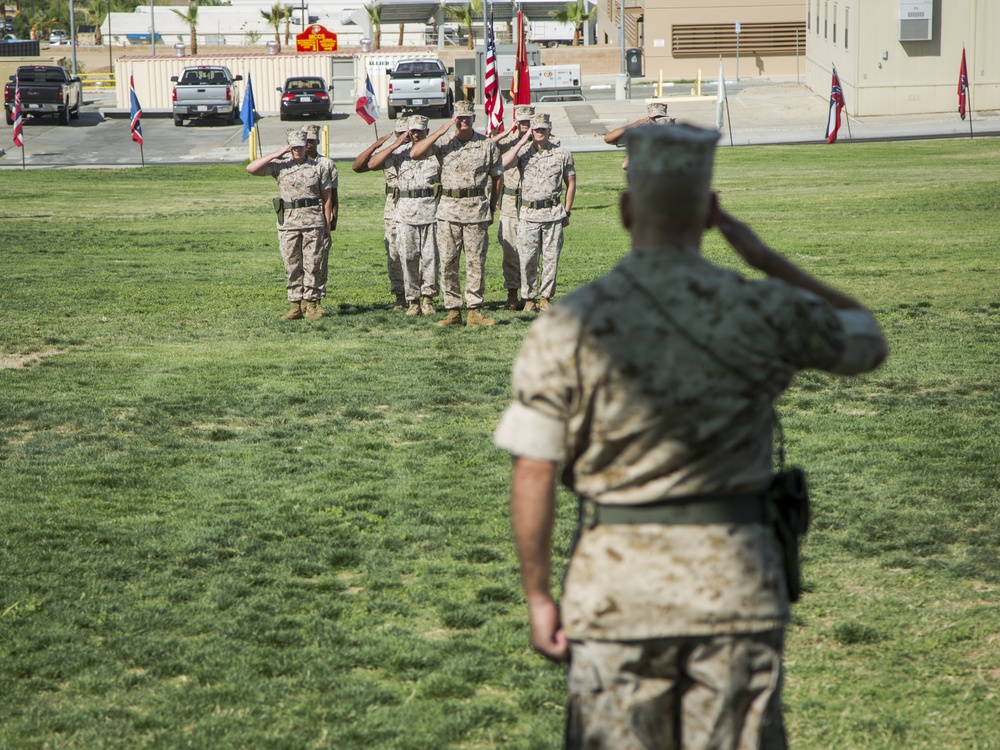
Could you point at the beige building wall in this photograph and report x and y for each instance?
(682, 37)
(881, 75)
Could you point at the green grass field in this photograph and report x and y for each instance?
(221, 530)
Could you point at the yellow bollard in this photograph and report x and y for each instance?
(325, 141)
(659, 85)
(253, 143)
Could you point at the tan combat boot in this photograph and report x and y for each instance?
(512, 301)
(543, 304)
(413, 308)
(476, 318)
(295, 313)
(426, 306)
(530, 306)
(453, 318)
(400, 303)
(314, 310)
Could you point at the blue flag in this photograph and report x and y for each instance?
(136, 113)
(248, 112)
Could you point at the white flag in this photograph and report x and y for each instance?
(720, 98)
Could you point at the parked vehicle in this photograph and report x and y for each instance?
(206, 91)
(58, 36)
(420, 84)
(305, 95)
(46, 90)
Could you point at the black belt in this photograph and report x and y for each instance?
(304, 203)
(540, 204)
(423, 193)
(511, 191)
(463, 193)
(703, 509)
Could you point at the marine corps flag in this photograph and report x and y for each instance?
(520, 83)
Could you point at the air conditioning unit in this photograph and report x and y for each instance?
(916, 20)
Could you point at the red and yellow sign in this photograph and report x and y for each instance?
(316, 39)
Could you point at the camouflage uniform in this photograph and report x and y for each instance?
(330, 176)
(540, 235)
(507, 225)
(416, 224)
(393, 262)
(301, 235)
(462, 222)
(676, 630)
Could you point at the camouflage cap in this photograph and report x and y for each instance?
(296, 138)
(465, 109)
(656, 110)
(682, 155)
(311, 131)
(541, 121)
(402, 124)
(418, 122)
(523, 112)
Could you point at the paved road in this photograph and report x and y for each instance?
(761, 111)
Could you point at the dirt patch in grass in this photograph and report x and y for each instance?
(18, 361)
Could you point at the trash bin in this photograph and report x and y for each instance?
(272, 47)
(179, 49)
(366, 45)
(633, 62)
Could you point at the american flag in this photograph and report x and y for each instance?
(963, 86)
(836, 104)
(18, 125)
(136, 112)
(491, 83)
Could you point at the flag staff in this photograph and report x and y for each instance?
(847, 115)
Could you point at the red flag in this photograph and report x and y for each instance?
(18, 125)
(491, 84)
(520, 85)
(963, 86)
(836, 104)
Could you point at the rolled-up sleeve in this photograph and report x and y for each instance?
(863, 343)
(526, 432)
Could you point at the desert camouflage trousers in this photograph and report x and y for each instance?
(454, 238)
(392, 260)
(507, 236)
(684, 693)
(539, 241)
(418, 253)
(305, 253)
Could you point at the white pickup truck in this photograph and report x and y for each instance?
(420, 84)
(206, 91)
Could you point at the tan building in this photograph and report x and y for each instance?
(681, 37)
(897, 57)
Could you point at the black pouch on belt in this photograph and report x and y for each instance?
(789, 497)
(279, 208)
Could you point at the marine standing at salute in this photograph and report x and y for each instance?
(393, 263)
(326, 163)
(470, 183)
(416, 223)
(656, 114)
(654, 388)
(544, 169)
(507, 231)
(305, 217)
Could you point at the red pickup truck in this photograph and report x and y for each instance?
(46, 90)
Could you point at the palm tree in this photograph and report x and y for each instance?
(400, 42)
(575, 13)
(274, 18)
(374, 11)
(466, 15)
(190, 18)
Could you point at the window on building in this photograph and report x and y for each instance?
(834, 23)
(847, 13)
(817, 17)
(809, 16)
(826, 19)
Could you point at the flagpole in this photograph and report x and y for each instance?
(22, 157)
(142, 156)
(729, 120)
(847, 115)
